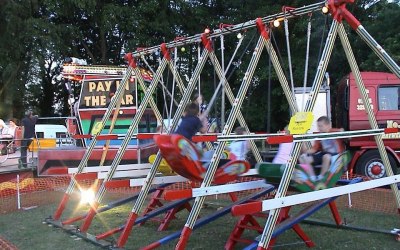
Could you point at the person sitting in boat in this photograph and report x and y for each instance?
(192, 122)
(323, 150)
(238, 149)
(283, 154)
(5, 136)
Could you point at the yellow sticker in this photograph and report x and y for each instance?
(300, 123)
(98, 126)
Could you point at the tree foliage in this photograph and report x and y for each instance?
(36, 36)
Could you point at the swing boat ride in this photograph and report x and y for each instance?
(184, 159)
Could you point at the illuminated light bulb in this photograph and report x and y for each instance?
(87, 196)
(239, 35)
(121, 112)
(207, 30)
(183, 49)
(276, 23)
(325, 9)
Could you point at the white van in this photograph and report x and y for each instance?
(53, 131)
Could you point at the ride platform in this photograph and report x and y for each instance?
(66, 157)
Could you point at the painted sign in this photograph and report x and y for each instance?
(97, 93)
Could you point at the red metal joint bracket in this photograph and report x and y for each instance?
(338, 10)
(165, 52)
(131, 60)
(204, 138)
(224, 26)
(261, 28)
(391, 130)
(206, 42)
(351, 20)
(289, 10)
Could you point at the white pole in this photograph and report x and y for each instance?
(348, 195)
(139, 153)
(18, 194)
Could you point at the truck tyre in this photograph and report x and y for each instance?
(370, 165)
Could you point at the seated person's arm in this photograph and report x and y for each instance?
(204, 123)
(6, 134)
(248, 146)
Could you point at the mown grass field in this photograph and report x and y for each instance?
(24, 228)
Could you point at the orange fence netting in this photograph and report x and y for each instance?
(29, 191)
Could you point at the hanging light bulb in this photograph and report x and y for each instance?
(325, 9)
(276, 23)
(207, 30)
(183, 49)
(239, 36)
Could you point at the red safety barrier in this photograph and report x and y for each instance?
(280, 139)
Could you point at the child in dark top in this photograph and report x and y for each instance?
(191, 122)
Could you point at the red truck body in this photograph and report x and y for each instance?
(384, 96)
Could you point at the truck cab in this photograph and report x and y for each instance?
(383, 90)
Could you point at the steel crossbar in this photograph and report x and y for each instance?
(327, 193)
(234, 28)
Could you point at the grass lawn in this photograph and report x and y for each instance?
(24, 228)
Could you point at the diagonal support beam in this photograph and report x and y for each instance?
(83, 163)
(231, 99)
(148, 99)
(287, 174)
(370, 41)
(150, 176)
(371, 117)
(227, 129)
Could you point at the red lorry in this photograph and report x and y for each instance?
(384, 96)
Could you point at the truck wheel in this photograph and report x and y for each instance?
(370, 165)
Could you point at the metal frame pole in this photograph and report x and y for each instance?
(125, 142)
(188, 228)
(118, 95)
(150, 176)
(285, 181)
(370, 41)
(371, 118)
(231, 98)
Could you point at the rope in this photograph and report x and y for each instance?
(213, 98)
(306, 63)
(165, 93)
(269, 96)
(288, 51)
(227, 68)
(173, 84)
(322, 38)
(198, 59)
(161, 80)
(164, 89)
(223, 88)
